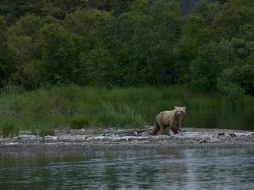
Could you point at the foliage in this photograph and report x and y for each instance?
(59, 51)
(46, 131)
(72, 106)
(9, 129)
(120, 115)
(114, 43)
(5, 60)
(237, 80)
(79, 123)
(212, 59)
(24, 52)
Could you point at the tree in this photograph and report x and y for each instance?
(229, 21)
(59, 49)
(12, 10)
(187, 48)
(60, 8)
(21, 41)
(97, 31)
(210, 62)
(237, 80)
(166, 30)
(99, 67)
(5, 60)
(22, 36)
(115, 6)
(156, 30)
(96, 28)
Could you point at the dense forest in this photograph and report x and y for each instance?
(206, 45)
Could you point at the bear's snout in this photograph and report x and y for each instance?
(178, 114)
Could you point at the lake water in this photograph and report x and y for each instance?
(171, 169)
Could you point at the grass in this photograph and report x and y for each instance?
(79, 123)
(80, 107)
(9, 129)
(46, 131)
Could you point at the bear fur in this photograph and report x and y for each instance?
(170, 119)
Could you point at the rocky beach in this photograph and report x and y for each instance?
(121, 139)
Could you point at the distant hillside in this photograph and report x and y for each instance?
(188, 5)
(13, 9)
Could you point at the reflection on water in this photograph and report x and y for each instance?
(220, 117)
(172, 169)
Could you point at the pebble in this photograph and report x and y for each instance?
(221, 134)
(137, 136)
(232, 135)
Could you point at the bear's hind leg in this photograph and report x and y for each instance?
(156, 128)
(163, 130)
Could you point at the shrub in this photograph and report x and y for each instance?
(46, 131)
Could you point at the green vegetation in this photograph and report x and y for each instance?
(77, 63)
(128, 43)
(9, 129)
(46, 131)
(79, 123)
(72, 106)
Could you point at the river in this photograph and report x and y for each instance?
(132, 169)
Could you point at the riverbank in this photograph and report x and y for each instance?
(77, 107)
(122, 139)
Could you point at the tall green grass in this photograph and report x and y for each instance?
(78, 107)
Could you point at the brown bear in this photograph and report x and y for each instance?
(170, 119)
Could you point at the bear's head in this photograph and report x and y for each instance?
(180, 111)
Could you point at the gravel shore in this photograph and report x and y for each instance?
(122, 139)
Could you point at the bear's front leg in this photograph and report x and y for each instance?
(175, 131)
(180, 130)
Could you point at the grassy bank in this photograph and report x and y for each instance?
(77, 107)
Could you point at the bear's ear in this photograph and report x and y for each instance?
(175, 107)
(184, 108)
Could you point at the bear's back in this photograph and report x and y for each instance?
(165, 116)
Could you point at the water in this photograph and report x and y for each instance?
(172, 169)
(220, 117)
